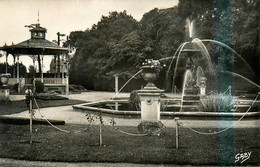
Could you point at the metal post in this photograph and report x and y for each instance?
(177, 131)
(116, 83)
(58, 33)
(31, 116)
(116, 90)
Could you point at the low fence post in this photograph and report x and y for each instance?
(177, 131)
(100, 134)
(100, 130)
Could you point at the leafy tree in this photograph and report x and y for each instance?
(3, 68)
(94, 47)
(246, 28)
(129, 53)
(1, 53)
(22, 72)
(118, 43)
(166, 28)
(32, 71)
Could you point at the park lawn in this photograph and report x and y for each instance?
(194, 149)
(11, 107)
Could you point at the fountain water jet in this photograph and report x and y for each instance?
(205, 52)
(228, 47)
(190, 27)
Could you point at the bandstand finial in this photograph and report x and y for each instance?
(38, 20)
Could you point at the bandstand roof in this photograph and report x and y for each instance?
(35, 47)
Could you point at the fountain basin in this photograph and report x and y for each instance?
(102, 107)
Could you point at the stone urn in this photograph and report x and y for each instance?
(150, 99)
(5, 78)
(150, 71)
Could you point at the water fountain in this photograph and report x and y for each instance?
(197, 71)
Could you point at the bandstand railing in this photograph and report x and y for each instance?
(47, 81)
(50, 84)
(54, 81)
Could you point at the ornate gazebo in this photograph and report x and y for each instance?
(37, 47)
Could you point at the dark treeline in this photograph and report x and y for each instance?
(118, 44)
(12, 68)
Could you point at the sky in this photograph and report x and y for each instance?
(63, 16)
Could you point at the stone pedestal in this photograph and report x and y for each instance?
(150, 109)
(203, 86)
(202, 91)
(191, 99)
(191, 91)
(4, 94)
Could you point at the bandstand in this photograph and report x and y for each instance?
(37, 47)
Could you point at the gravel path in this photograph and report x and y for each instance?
(4, 162)
(71, 116)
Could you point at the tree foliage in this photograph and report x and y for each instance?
(117, 44)
(10, 68)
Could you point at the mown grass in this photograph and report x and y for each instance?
(11, 107)
(194, 149)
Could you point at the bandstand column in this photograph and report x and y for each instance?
(55, 66)
(67, 84)
(62, 70)
(13, 66)
(67, 75)
(33, 62)
(6, 66)
(42, 70)
(39, 64)
(34, 66)
(58, 66)
(17, 69)
(18, 74)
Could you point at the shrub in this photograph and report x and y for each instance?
(218, 102)
(134, 101)
(39, 87)
(76, 88)
(15, 87)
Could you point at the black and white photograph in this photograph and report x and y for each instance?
(129, 83)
